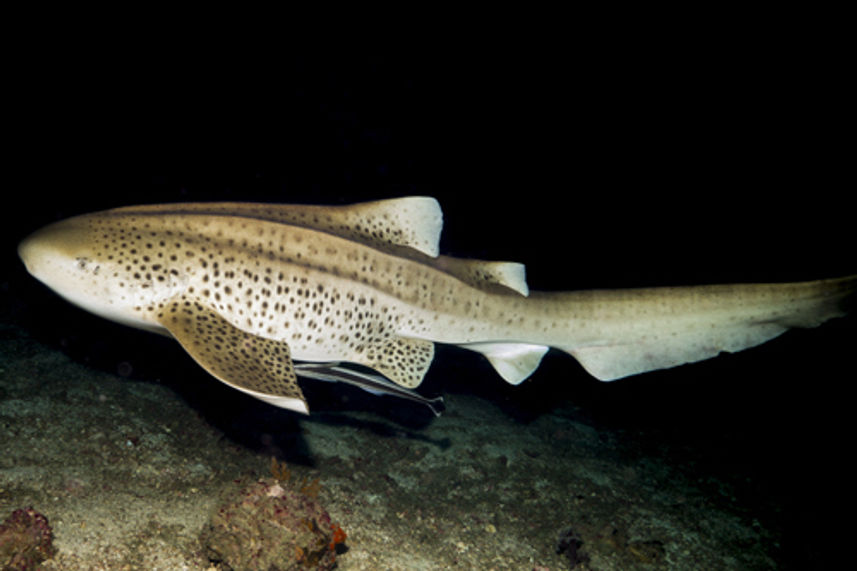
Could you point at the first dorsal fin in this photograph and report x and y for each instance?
(414, 222)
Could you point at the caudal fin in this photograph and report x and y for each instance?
(635, 331)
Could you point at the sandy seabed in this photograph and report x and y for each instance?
(128, 473)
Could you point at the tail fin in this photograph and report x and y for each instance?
(635, 331)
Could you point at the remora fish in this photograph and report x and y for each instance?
(248, 288)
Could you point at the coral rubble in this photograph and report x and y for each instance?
(269, 527)
(26, 540)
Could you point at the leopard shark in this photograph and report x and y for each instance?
(258, 294)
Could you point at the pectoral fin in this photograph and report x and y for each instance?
(260, 367)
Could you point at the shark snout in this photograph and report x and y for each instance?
(33, 249)
(53, 247)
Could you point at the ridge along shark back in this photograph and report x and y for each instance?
(258, 294)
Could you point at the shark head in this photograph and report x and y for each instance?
(69, 258)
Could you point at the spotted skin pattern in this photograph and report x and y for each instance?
(285, 281)
(246, 288)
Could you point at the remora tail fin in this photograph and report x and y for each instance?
(634, 331)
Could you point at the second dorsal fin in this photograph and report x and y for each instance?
(487, 276)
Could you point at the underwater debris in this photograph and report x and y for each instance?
(26, 539)
(569, 544)
(650, 552)
(281, 472)
(311, 488)
(272, 528)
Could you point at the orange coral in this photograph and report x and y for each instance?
(338, 536)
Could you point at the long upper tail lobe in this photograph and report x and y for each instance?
(625, 332)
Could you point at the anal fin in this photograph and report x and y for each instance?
(513, 361)
(260, 367)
